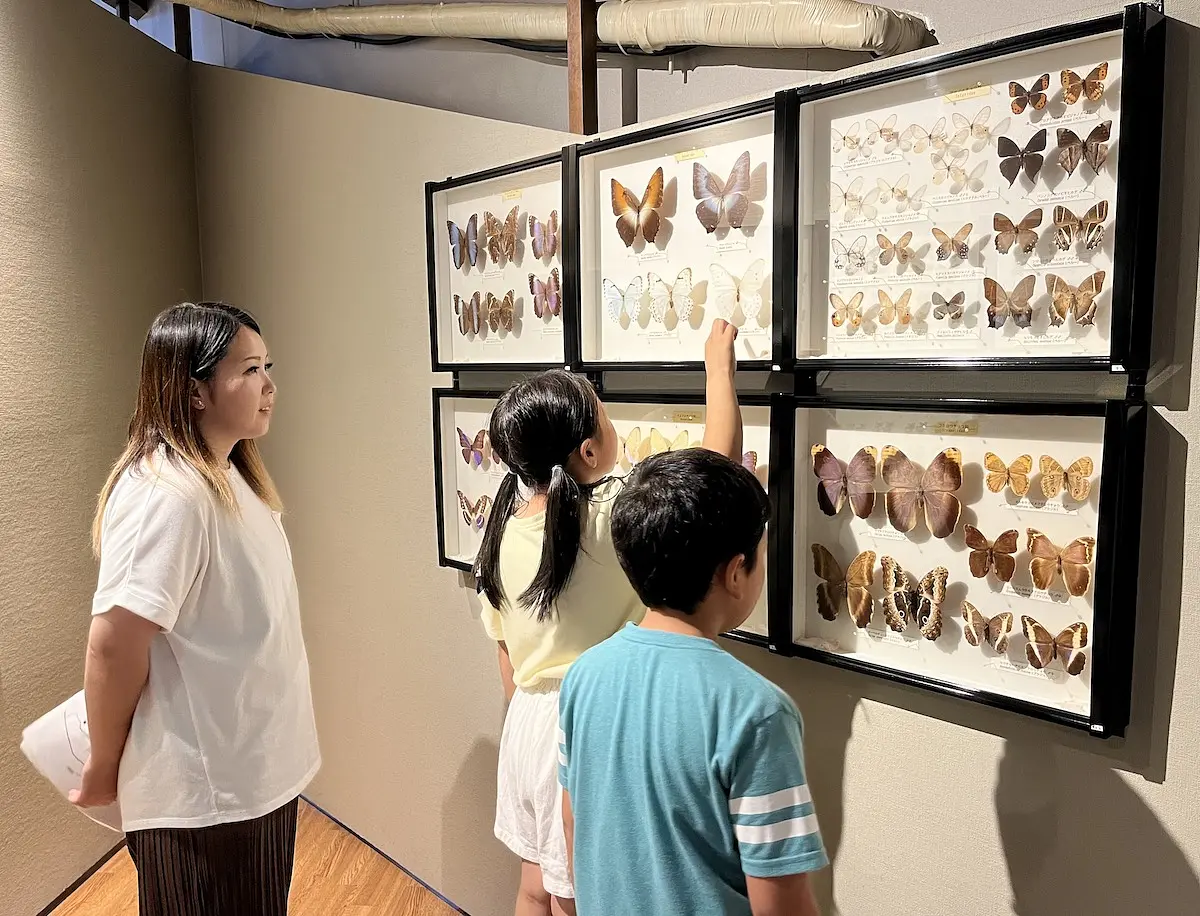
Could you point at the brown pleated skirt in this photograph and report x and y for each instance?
(241, 869)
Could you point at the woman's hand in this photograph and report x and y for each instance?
(719, 361)
(99, 785)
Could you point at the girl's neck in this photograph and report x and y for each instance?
(534, 504)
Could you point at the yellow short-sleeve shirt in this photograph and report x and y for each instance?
(597, 601)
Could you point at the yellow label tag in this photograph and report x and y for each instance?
(977, 91)
(685, 416)
(956, 428)
(514, 194)
(690, 154)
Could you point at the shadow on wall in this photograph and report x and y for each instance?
(468, 814)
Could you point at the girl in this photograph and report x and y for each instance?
(552, 587)
(196, 680)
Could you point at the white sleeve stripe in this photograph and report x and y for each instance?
(562, 759)
(776, 801)
(562, 736)
(773, 833)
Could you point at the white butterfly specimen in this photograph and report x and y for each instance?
(975, 132)
(971, 181)
(727, 292)
(848, 313)
(852, 259)
(849, 141)
(677, 297)
(857, 205)
(916, 138)
(949, 165)
(885, 132)
(890, 192)
(627, 301)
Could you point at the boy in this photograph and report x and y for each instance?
(682, 768)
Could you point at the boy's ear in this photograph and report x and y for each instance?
(733, 575)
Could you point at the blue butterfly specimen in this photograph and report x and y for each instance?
(464, 245)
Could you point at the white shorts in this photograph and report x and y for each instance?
(528, 794)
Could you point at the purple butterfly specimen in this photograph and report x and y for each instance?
(729, 199)
(547, 295)
(474, 514)
(837, 482)
(544, 236)
(472, 449)
(464, 243)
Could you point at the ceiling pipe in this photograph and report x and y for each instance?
(649, 25)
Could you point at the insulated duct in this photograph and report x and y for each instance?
(650, 25)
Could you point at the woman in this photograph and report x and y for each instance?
(197, 689)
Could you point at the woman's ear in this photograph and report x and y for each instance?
(197, 395)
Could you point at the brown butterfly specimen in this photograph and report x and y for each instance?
(500, 311)
(850, 590)
(1014, 158)
(903, 604)
(1034, 96)
(1021, 234)
(995, 555)
(1079, 301)
(1002, 304)
(992, 630)
(1090, 227)
(1076, 479)
(951, 308)
(913, 489)
(1015, 475)
(1067, 646)
(502, 237)
(1090, 87)
(634, 215)
(837, 482)
(1093, 150)
(900, 250)
(956, 246)
(895, 310)
(1072, 562)
(470, 318)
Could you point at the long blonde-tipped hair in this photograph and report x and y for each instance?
(185, 343)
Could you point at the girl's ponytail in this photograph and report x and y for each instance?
(566, 503)
(487, 561)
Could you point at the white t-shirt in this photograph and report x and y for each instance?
(224, 730)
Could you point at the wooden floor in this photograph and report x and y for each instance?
(336, 875)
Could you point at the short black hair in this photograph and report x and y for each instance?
(679, 518)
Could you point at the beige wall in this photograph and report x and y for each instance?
(97, 232)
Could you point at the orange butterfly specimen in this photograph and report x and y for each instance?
(634, 215)
(1090, 87)
(997, 555)
(1033, 97)
(1067, 646)
(980, 629)
(1076, 479)
(1015, 475)
(850, 590)
(1047, 561)
(502, 236)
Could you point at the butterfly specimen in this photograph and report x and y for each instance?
(635, 447)
(1033, 97)
(974, 131)
(627, 301)
(1002, 304)
(899, 250)
(500, 311)
(852, 198)
(750, 461)
(1014, 158)
(886, 132)
(660, 443)
(1079, 301)
(846, 312)
(952, 308)
(995, 555)
(474, 513)
(971, 181)
(727, 292)
(897, 310)
(849, 141)
(502, 236)
(1071, 561)
(1090, 227)
(1093, 150)
(473, 449)
(677, 296)
(917, 138)
(849, 259)
(1020, 234)
(849, 590)
(903, 604)
(1076, 479)
(543, 237)
(931, 489)
(949, 165)
(899, 193)
(992, 630)
(956, 246)
(839, 482)
(464, 243)
(729, 199)
(1015, 476)
(547, 296)
(1090, 87)
(634, 215)
(470, 317)
(1067, 646)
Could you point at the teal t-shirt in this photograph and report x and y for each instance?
(686, 773)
